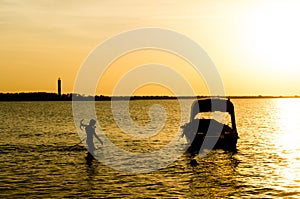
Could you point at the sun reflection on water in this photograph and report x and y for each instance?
(288, 143)
(289, 115)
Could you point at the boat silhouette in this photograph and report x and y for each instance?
(207, 132)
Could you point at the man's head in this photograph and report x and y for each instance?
(92, 122)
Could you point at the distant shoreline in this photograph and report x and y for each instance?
(44, 96)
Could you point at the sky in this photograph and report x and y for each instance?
(254, 44)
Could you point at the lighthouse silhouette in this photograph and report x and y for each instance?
(59, 87)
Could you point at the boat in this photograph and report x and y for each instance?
(209, 133)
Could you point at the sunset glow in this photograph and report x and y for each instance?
(254, 44)
(274, 38)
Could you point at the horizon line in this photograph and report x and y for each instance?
(168, 96)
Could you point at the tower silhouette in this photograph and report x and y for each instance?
(59, 87)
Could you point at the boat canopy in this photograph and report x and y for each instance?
(212, 105)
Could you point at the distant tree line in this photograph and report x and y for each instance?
(44, 96)
(34, 96)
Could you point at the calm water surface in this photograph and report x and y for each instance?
(41, 157)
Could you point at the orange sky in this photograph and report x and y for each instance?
(254, 44)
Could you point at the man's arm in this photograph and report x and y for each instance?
(98, 138)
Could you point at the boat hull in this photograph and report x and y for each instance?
(220, 136)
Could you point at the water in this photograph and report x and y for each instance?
(41, 157)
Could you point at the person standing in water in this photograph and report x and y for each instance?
(90, 133)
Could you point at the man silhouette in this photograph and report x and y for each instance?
(90, 133)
